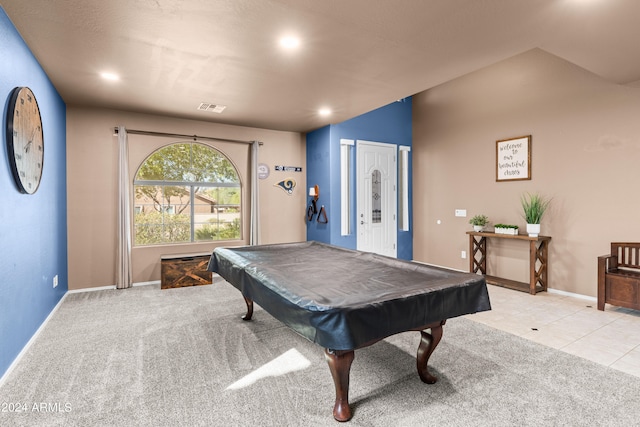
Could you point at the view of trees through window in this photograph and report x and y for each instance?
(186, 192)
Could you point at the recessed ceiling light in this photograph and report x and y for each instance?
(290, 42)
(324, 111)
(110, 76)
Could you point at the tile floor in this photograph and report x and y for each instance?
(570, 324)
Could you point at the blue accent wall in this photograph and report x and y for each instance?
(318, 166)
(389, 124)
(33, 228)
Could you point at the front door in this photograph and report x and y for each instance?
(376, 197)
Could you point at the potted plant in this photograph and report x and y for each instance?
(534, 207)
(478, 222)
(506, 229)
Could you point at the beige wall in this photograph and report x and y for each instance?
(92, 159)
(585, 155)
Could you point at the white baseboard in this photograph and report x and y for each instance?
(438, 266)
(106, 288)
(550, 290)
(153, 282)
(35, 335)
(101, 288)
(572, 295)
(30, 342)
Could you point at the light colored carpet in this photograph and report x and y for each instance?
(151, 357)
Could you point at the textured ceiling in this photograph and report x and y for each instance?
(355, 56)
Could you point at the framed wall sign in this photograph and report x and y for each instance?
(513, 159)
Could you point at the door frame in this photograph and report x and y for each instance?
(392, 197)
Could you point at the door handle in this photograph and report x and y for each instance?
(362, 222)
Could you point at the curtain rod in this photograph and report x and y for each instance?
(179, 135)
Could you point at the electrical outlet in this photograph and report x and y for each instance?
(55, 280)
(461, 212)
(463, 254)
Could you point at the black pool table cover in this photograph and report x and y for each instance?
(344, 299)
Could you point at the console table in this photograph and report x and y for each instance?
(538, 260)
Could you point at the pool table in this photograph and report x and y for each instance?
(343, 299)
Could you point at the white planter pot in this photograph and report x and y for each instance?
(511, 231)
(478, 227)
(533, 230)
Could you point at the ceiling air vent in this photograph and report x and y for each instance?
(205, 106)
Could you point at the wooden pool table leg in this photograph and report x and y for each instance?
(340, 364)
(428, 344)
(249, 309)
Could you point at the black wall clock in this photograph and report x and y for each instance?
(25, 141)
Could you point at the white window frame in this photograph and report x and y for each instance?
(404, 187)
(346, 148)
(192, 187)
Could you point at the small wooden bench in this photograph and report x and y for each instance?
(619, 276)
(180, 270)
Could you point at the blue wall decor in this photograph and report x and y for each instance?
(287, 185)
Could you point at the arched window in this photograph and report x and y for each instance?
(186, 192)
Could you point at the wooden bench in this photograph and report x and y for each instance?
(180, 270)
(619, 276)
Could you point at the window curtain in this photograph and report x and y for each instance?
(123, 255)
(254, 237)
